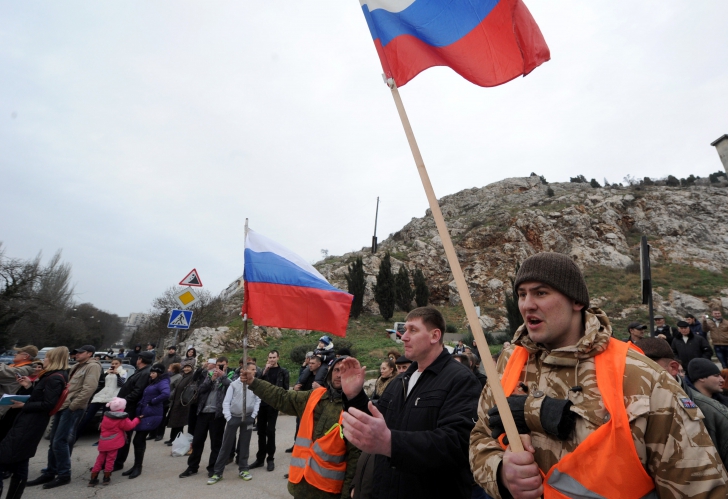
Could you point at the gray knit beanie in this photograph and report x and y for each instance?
(701, 368)
(558, 271)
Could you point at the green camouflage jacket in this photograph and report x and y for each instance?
(671, 441)
(325, 415)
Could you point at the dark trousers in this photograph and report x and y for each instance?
(174, 432)
(139, 439)
(267, 417)
(192, 419)
(206, 422)
(721, 351)
(19, 471)
(140, 446)
(163, 425)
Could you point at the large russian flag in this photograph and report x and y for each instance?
(283, 290)
(488, 42)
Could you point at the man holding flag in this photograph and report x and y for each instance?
(600, 419)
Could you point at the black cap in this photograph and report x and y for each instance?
(402, 360)
(147, 357)
(85, 348)
(701, 368)
(157, 368)
(682, 324)
(636, 325)
(173, 347)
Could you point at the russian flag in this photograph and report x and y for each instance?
(283, 290)
(488, 42)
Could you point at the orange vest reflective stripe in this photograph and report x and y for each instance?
(606, 464)
(323, 462)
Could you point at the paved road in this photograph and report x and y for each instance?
(160, 479)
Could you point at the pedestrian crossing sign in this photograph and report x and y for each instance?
(180, 319)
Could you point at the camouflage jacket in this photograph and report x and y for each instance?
(718, 331)
(670, 438)
(325, 415)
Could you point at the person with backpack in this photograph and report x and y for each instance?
(22, 440)
(114, 426)
(179, 404)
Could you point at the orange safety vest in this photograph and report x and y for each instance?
(323, 462)
(606, 464)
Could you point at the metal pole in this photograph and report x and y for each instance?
(374, 237)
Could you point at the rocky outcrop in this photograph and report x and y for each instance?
(497, 226)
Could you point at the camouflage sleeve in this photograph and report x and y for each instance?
(485, 452)
(352, 458)
(672, 440)
(289, 402)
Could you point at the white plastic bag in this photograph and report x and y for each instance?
(181, 444)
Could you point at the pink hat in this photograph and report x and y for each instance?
(117, 404)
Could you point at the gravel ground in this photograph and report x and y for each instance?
(160, 480)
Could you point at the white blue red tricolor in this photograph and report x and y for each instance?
(283, 290)
(488, 42)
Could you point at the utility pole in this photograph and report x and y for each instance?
(646, 277)
(374, 237)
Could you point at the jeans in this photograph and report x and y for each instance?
(63, 435)
(267, 417)
(206, 421)
(228, 444)
(721, 351)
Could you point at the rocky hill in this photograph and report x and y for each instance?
(497, 226)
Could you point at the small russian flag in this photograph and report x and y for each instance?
(488, 42)
(283, 290)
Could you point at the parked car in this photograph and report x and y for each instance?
(398, 329)
(7, 357)
(43, 351)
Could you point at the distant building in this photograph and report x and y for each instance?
(721, 145)
(132, 324)
(232, 289)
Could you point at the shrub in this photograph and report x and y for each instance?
(672, 181)
(357, 285)
(403, 289)
(451, 328)
(648, 181)
(422, 291)
(298, 354)
(385, 289)
(543, 180)
(579, 179)
(594, 183)
(550, 192)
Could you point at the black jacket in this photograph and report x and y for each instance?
(430, 433)
(670, 333)
(133, 389)
(696, 347)
(23, 438)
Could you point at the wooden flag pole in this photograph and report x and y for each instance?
(493, 379)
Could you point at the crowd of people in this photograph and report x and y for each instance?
(598, 417)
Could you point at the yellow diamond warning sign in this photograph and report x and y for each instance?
(186, 298)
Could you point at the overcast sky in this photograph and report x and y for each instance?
(137, 136)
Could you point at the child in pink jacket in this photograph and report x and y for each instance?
(114, 426)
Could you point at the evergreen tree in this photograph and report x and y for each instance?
(422, 292)
(385, 289)
(515, 319)
(357, 286)
(405, 293)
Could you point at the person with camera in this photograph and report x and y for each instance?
(210, 418)
(22, 440)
